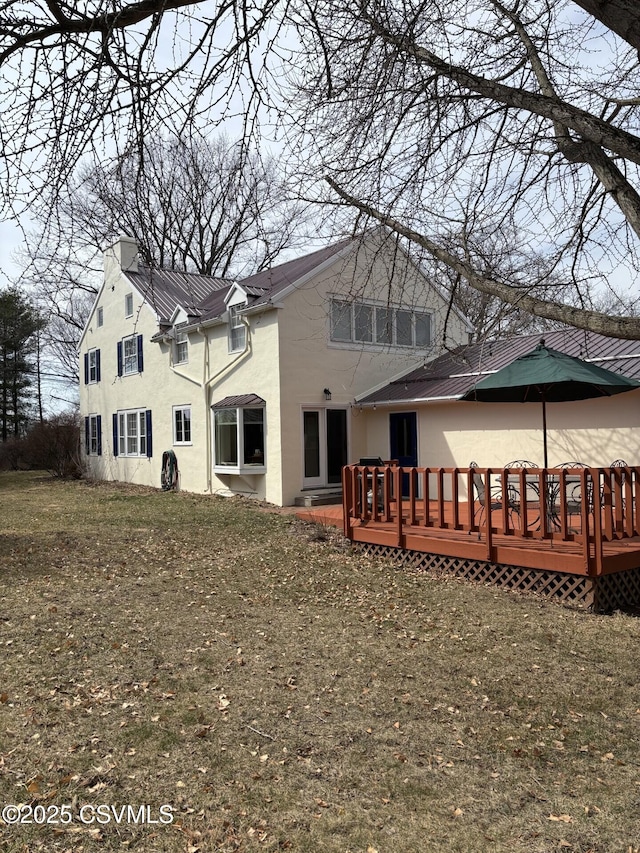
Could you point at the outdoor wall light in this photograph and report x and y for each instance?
(327, 394)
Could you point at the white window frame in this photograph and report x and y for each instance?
(93, 435)
(240, 466)
(92, 377)
(237, 341)
(128, 305)
(382, 319)
(132, 432)
(130, 362)
(321, 480)
(181, 347)
(182, 424)
(100, 317)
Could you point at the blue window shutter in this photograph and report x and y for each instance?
(86, 368)
(115, 433)
(97, 365)
(149, 435)
(140, 362)
(99, 431)
(86, 435)
(119, 358)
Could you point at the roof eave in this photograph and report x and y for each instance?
(413, 401)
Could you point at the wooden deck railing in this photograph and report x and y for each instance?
(589, 506)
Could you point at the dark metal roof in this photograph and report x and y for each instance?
(166, 289)
(240, 400)
(455, 372)
(266, 285)
(203, 296)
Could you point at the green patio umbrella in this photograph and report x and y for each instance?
(547, 376)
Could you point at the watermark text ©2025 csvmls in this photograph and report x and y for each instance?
(86, 814)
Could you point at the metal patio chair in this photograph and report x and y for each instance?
(497, 499)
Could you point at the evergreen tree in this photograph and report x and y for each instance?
(19, 323)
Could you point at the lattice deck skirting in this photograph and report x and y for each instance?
(601, 594)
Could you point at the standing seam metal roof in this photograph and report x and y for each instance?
(454, 373)
(166, 289)
(203, 296)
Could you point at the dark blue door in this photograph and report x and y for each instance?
(403, 442)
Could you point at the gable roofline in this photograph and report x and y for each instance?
(140, 295)
(340, 254)
(85, 328)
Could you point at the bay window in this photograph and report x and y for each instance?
(239, 439)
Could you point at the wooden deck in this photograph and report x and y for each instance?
(581, 523)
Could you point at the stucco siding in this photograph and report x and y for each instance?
(311, 362)
(252, 372)
(157, 388)
(594, 432)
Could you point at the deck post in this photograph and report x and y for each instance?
(347, 500)
(487, 514)
(398, 489)
(455, 498)
(413, 493)
(594, 564)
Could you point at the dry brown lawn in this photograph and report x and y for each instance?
(281, 692)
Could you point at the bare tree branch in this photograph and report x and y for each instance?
(623, 327)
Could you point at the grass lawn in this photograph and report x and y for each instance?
(281, 692)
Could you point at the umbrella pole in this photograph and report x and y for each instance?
(544, 430)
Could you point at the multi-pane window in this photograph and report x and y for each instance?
(100, 316)
(181, 348)
(341, 315)
(237, 329)
(130, 355)
(182, 425)
(132, 433)
(239, 437)
(92, 366)
(361, 322)
(128, 305)
(384, 325)
(93, 435)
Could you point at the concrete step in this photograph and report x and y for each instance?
(319, 499)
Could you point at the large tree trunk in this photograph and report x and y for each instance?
(621, 16)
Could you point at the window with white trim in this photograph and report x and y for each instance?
(365, 323)
(182, 424)
(93, 435)
(132, 432)
(239, 439)
(237, 329)
(130, 355)
(92, 366)
(180, 347)
(128, 305)
(100, 319)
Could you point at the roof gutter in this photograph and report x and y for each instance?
(409, 402)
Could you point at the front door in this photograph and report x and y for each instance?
(325, 446)
(403, 442)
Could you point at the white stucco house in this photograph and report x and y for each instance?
(253, 383)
